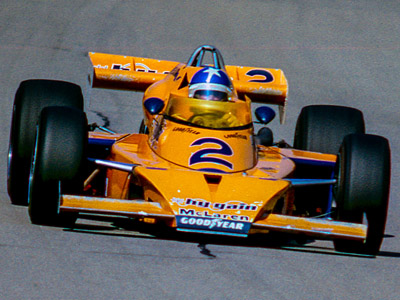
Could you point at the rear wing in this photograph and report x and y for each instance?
(127, 72)
(120, 72)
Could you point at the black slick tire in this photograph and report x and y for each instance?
(58, 161)
(31, 97)
(321, 128)
(362, 192)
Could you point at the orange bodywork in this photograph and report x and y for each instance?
(199, 168)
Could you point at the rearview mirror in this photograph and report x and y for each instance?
(154, 105)
(264, 114)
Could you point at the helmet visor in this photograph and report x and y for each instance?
(211, 95)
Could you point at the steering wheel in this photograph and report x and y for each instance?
(215, 120)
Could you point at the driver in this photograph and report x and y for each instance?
(212, 84)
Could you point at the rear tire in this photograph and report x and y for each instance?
(31, 97)
(363, 189)
(58, 161)
(321, 128)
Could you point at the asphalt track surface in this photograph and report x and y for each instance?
(333, 52)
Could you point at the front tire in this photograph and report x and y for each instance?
(31, 97)
(362, 191)
(58, 161)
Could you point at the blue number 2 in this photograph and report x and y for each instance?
(205, 155)
(259, 72)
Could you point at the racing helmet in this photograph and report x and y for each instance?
(210, 84)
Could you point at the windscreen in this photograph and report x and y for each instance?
(209, 114)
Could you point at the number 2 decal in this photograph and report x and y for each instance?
(205, 155)
(258, 72)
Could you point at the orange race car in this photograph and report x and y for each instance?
(196, 164)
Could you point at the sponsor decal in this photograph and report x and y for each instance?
(216, 225)
(101, 67)
(185, 130)
(125, 67)
(207, 214)
(143, 68)
(139, 67)
(236, 136)
(215, 206)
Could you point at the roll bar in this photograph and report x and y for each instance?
(196, 59)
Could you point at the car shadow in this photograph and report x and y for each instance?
(124, 227)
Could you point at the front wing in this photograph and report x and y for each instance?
(318, 228)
